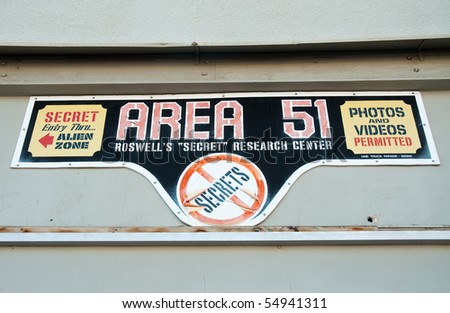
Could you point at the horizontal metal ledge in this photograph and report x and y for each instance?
(125, 74)
(169, 88)
(440, 237)
(188, 47)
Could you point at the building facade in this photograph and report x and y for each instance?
(65, 48)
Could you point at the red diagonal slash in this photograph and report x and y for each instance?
(233, 198)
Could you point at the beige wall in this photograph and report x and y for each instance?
(226, 269)
(179, 23)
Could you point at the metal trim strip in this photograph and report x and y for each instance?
(228, 238)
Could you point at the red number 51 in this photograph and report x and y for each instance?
(290, 114)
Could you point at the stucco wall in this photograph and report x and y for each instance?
(226, 269)
(142, 23)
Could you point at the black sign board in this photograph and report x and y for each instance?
(225, 159)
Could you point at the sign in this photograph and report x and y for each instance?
(66, 131)
(373, 127)
(222, 189)
(225, 159)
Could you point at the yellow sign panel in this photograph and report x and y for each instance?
(69, 130)
(373, 127)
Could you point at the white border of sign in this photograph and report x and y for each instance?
(282, 192)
